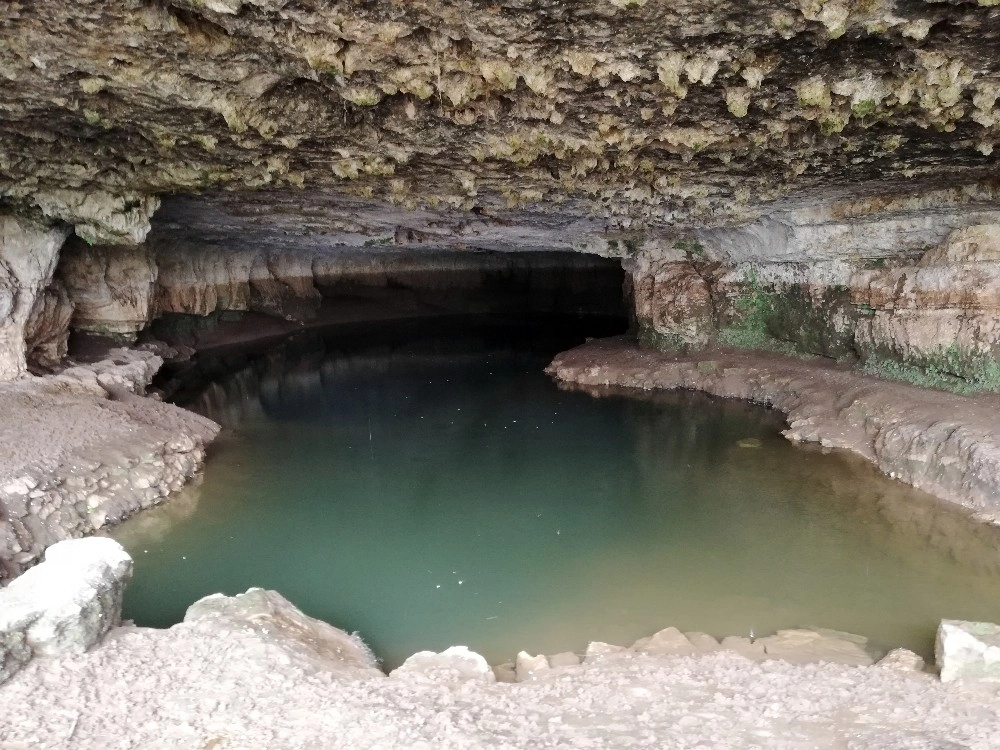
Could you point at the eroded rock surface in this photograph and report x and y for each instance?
(83, 449)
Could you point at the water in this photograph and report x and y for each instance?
(432, 486)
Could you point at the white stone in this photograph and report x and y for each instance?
(802, 646)
(743, 646)
(454, 664)
(274, 619)
(667, 642)
(527, 667)
(968, 651)
(597, 650)
(564, 659)
(903, 660)
(65, 604)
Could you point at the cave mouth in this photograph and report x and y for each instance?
(425, 483)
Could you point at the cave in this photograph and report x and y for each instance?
(642, 354)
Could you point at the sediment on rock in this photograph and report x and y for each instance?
(942, 443)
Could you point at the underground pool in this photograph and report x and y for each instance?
(427, 484)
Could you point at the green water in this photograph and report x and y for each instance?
(431, 486)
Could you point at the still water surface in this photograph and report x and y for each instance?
(430, 485)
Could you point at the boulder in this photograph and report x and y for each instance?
(598, 650)
(902, 660)
(527, 667)
(454, 664)
(270, 617)
(968, 651)
(807, 646)
(65, 604)
(743, 646)
(667, 642)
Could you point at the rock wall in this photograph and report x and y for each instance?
(31, 313)
(120, 290)
(929, 314)
(111, 286)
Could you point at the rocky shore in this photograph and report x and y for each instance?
(252, 671)
(86, 448)
(940, 442)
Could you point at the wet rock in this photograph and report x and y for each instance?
(454, 664)
(65, 604)
(968, 651)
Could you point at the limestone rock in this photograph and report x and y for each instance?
(454, 664)
(272, 618)
(807, 646)
(505, 672)
(65, 604)
(111, 287)
(973, 244)
(598, 650)
(673, 305)
(564, 659)
(743, 646)
(28, 254)
(703, 642)
(968, 651)
(903, 660)
(528, 667)
(46, 333)
(667, 642)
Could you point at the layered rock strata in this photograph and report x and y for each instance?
(84, 449)
(931, 316)
(944, 444)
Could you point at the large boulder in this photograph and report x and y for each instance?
(968, 651)
(269, 617)
(65, 604)
(454, 664)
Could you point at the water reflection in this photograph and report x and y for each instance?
(430, 486)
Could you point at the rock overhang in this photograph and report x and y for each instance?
(633, 112)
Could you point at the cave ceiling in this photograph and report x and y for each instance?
(613, 112)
